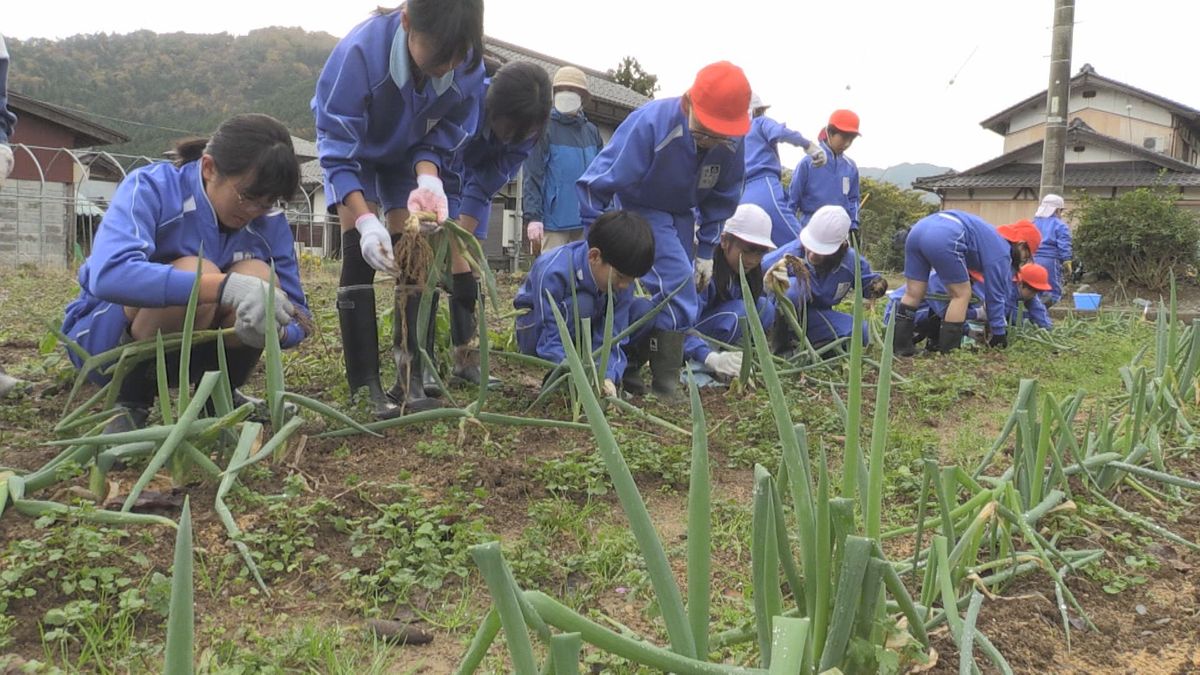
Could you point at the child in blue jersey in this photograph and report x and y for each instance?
(578, 277)
(7, 119)
(744, 241)
(1023, 298)
(217, 201)
(824, 247)
(763, 169)
(514, 111)
(836, 181)
(396, 98)
(956, 244)
(1056, 252)
(679, 162)
(570, 143)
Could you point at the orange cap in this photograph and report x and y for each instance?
(1035, 276)
(845, 120)
(720, 99)
(1022, 231)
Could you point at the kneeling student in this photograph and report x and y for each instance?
(578, 277)
(1031, 282)
(218, 200)
(746, 239)
(824, 247)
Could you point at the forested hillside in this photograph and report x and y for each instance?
(184, 82)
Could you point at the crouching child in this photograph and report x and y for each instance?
(578, 277)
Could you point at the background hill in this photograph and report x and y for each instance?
(157, 88)
(903, 175)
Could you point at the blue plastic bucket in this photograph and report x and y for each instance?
(1088, 302)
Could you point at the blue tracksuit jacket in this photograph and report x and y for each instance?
(555, 273)
(375, 120)
(565, 150)
(762, 175)
(719, 320)
(823, 293)
(652, 166)
(160, 213)
(7, 119)
(1056, 249)
(953, 242)
(834, 183)
(478, 170)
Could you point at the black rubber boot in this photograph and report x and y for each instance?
(360, 346)
(464, 296)
(409, 390)
(929, 329)
(902, 338)
(137, 394)
(666, 360)
(636, 355)
(950, 337)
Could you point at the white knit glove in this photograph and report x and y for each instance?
(247, 295)
(817, 153)
(6, 161)
(375, 242)
(727, 365)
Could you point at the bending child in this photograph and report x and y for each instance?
(577, 277)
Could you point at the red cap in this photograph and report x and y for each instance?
(845, 121)
(1022, 231)
(720, 99)
(1035, 276)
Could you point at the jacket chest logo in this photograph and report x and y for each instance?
(709, 173)
(431, 123)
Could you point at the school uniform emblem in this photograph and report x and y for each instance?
(709, 174)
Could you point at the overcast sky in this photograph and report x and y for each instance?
(921, 74)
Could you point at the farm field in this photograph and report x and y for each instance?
(358, 535)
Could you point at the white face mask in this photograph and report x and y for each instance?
(568, 102)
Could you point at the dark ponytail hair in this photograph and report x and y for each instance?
(253, 145)
(520, 93)
(454, 26)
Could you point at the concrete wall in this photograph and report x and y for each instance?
(996, 212)
(1106, 100)
(1109, 124)
(37, 226)
(1129, 118)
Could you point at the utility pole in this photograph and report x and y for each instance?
(1058, 92)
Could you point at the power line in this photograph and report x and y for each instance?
(90, 113)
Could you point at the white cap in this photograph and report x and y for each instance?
(751, 224)
(1050, 204)
(826, 231)
(757, 102)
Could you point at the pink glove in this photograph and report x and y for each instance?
(429, 196)
(534, 231)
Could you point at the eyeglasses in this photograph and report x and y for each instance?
(261, 203)
(704, 139)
